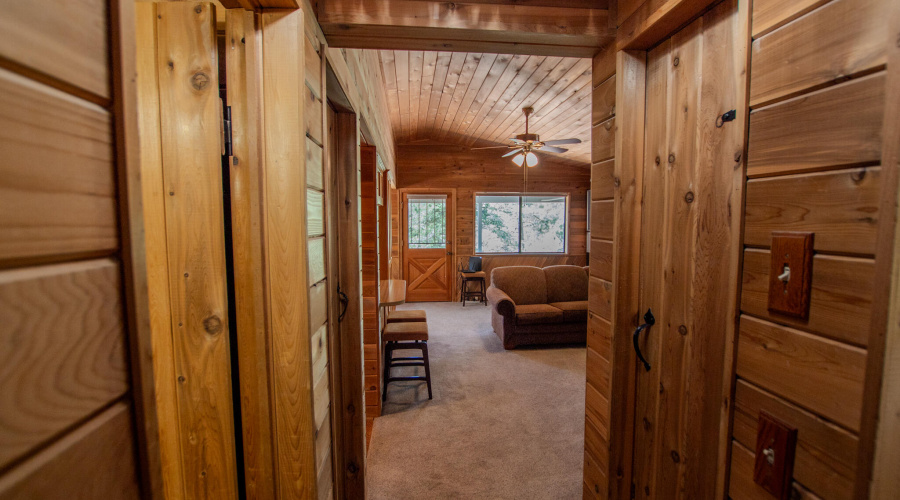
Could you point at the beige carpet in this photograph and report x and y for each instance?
(503, 424)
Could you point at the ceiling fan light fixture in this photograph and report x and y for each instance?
(531, 159)
(519, 159)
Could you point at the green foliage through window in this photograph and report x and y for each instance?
(427, 222)
(520, 224)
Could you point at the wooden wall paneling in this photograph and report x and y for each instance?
(313, 116)
(314, 165)
(243, 53)
(602, 220)
(769, 15)
(741, 485)
(284, 97)
(878, 459)
(601, 258)
(106, 442)
(603, 105)
(191, 169)
(603, 140)
(64, 350)
(61, 44)
(603, 65)
(840, 207)
(123, 60)
(315, 206)
(840, 300)
(832, 127)
(316, 258)
(630, 105)
(603, 180)
(313, 73)
(370, 284)
(826, 454)
(56, 201)
(821, 375)
(346, 209)
(841, 39)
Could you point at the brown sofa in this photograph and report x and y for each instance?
(533, 305)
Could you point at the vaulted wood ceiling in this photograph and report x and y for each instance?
(476, 99)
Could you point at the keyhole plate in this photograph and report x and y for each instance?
(790, 273)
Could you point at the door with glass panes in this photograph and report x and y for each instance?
(427, 246)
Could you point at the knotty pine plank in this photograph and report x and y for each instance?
(836, 126)
(821, 375)
(840, 207)
(769, 15)
(603, 180)
(63, 349)
(95, 460)
(840, 39)
(601, 258)
(600, 297)
(599, 337)
(603, 101)
(603, 136)
(59, 42)
(56, 200)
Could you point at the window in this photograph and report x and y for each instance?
(520, 223)
(426, 221)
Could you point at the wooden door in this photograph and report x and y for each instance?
(180, 115)
(689, 238)
(427, 248)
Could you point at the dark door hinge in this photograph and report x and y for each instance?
(226, 122)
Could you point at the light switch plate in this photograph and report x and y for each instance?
(791, 251)
(776, 445)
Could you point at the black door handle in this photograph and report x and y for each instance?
(345, 302)
(649, 321)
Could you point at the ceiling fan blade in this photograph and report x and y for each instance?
(492, 147)
(518, 150)
(562, 141)
(553, 149)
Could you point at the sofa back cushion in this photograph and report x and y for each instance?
(566, 283)
(524, 284)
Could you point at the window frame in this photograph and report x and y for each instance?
(475, 224)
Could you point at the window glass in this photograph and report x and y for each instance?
(427, 222)
(520, 224)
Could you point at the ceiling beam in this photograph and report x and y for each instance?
(528, 27)
(260, 4)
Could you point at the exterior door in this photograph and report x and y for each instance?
(427, 251)
(687, 243)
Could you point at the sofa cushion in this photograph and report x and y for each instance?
(565, 283)
(574, 311)
(524, 284)
(537, 314)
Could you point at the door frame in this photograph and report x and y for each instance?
(631, 80)
(451, 232)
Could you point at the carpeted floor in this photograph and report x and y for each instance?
(503, 424)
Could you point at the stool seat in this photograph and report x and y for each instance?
(406, 316)
(405, 331)
(477, 274)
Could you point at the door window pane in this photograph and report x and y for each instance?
(427, 222)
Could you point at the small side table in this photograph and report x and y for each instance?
(473, 287)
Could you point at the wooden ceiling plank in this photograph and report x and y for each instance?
(467, 45)
(516, 121)
(429, 63)
(513, 68)
(478, 79)
(466, 77)
(441, 69)
(514, 106)
(551, 115)
(415, 86)
(401, 61)
(389, 72)
(457, 61)
(522, 76)
(466, 115)
(509, 19)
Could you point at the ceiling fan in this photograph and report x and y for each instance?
(524, 145)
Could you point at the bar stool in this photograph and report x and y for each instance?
(405, 335)
(466, 293)
(406, 316)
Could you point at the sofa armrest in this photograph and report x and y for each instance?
(501, 301)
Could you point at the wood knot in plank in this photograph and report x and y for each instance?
(200, 80)
(212, 325)
(859, 175)
(198, 9)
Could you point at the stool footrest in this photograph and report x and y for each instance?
(394, 365)
(399, 379)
